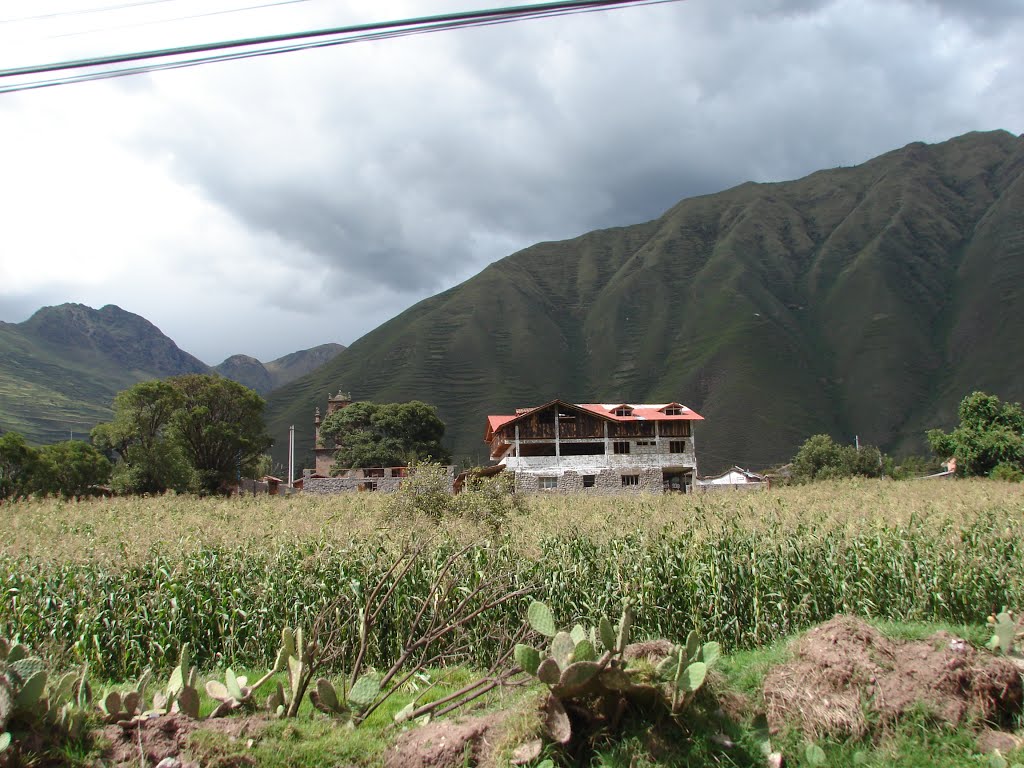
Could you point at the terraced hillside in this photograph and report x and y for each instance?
(856, 301)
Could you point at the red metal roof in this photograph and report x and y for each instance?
(641, 412)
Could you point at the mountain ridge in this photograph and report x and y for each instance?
(863, 300)
(61, 368)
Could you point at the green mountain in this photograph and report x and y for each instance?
(60, 369)
(264, 377)
(856, 301)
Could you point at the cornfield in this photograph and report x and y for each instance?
(123, 583)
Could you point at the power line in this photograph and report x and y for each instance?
(335, 36)
(84, 11)
(177, 18)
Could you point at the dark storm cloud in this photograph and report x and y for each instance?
(407, 165)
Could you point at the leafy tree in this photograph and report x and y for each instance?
(990, 433)
(18, 461)
(189, 432)
(149, 460)
(385, 435)
(219, 429)
(821, 458)
(72, 468)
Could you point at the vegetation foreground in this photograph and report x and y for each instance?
(124, 584)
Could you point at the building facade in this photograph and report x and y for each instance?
(597, 447)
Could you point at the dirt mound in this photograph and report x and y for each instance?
(148, 742)
(447, 743)
(846, 673)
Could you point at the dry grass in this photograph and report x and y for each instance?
(128, 530)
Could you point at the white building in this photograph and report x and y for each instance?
(597, 447)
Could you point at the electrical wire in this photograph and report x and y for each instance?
(176, 18)
(84, 11)
(307, 40)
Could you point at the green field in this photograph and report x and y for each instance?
(123, 583)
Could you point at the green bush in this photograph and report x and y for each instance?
(1011, 473)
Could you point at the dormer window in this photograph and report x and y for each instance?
(623, 410)
(672, 410)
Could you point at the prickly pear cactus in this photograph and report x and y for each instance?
(589, 664)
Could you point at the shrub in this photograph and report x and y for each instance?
(1011, 473)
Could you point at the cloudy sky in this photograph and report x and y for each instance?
(268, 205)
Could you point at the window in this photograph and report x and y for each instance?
(677, 446)
(547, 483)
(672, 410)
(630, 480)
(369, 485)
(644, 442)
(621, 446)
(588, 481)
(626, 411)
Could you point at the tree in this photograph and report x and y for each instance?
(385, 435)
(72, 468)
(821, 458)
(193, 432)
(149, 460)
(17, 463)
(219, 428)
(990, 433)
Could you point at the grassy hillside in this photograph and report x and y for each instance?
(862, 300)
(60, 369)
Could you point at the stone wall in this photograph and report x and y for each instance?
(606, 482)
(324, 486)
(730, 487)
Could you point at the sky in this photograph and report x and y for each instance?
(272, 204)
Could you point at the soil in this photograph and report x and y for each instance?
(147, 742)
(467, 741)
(846, 675)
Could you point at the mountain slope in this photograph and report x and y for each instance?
(264, 377)
(856, 301)
(60, 369)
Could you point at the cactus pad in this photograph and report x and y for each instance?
(541, 619)
(326, 695)
(528, 658)
(710, 653)
(188, 702)
(364, 691)
(607, 634)
(693, 676)
(215, 689)
(692, 645)
(549, 672)
(562, 648)
(578, 634)
(584, 651)
(31, 691)
(579, 673)
(23, 669)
